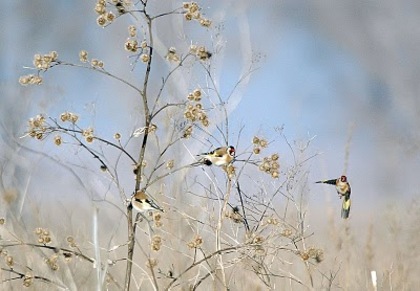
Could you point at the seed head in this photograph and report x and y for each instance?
(101, 20)
(132, 31)
(131, 45)
(170, 164)
(145, 58)
(57, 140)
(83, 56)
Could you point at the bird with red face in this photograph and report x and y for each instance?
(221, 156)
(344, 190)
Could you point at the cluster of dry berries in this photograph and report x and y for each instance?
(272, 221)
(156, 242)
(192, 12)
(200, 52)
(172, 56)
(312, 253)
(157, 218)
(253, 238)
(28, 279)
(97, 63)
(72, 243)
(88, 134)
(52, 262)
(30, 79)
(43, 62)
(69, 116)
(258, 239)
(195, 110)
(132, 31)
(132, 45)
(83, 57)
(37, 127)
(230, 170)
(195, 95)
(286, 232)
(235, 215)
(43, 235)
(258, 144)
(271, 165)
(105, 16)
(195, 242)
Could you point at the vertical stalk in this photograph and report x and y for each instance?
(130, 224)
(218, 233)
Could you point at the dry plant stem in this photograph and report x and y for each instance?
(162, 87)
(146, 109)
(153, 275)
(157, 166)
(20, 276)
(197, 263)
(196, 285)
(302, 235)
(167, 174)
(130, 246)
(76, 253)
(69, 130)
(175, 11)
(242, 205)
(131, 226)
(225, 135)
(218, 232)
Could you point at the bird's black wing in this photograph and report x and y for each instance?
(331, 182)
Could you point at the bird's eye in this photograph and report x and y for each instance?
(231, 150)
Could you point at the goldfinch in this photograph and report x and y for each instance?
(221, 156)
(142, 203)
(344, 190)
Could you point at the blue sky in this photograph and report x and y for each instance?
(312, 80)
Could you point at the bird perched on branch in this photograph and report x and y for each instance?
(141, 202)
(221, 156)
(343, 189)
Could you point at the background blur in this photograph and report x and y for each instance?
(325, 69)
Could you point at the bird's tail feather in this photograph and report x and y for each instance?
(345, 208)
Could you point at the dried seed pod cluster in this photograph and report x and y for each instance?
(192, 12)
(270, 165)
